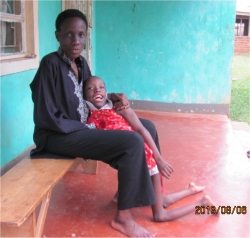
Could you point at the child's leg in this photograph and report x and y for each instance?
(174, 197)
(157, 208)
(161, 215)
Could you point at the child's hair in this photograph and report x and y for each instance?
(85, 82)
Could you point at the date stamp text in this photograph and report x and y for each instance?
(225, 210)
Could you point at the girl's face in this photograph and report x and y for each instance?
(95, 92)
(72, 37)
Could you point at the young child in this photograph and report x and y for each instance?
(103, 116)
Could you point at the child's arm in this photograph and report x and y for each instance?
(130, 116)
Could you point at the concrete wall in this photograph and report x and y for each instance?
(16, 115)
(161, 52)
(48, 11)
(171, 52)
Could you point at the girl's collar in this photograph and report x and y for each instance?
(108, 105)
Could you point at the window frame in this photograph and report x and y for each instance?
(243, 16)
(29, 59)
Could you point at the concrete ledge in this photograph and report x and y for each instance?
(240, 126)
(242, 132)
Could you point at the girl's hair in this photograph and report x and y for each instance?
(67, 14)
(85, 82)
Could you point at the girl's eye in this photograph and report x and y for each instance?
(90, 88)
(102, 87)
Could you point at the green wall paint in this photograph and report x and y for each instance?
(16, 104)
(48, 11)
(16, 115)
(166, 51)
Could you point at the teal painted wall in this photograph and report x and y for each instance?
(166, 51)
(16, 104)
(178, 51)
(48, 11)
(16, 115)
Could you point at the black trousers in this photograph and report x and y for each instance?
(122, 150)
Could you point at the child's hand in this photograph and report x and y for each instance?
(120, 101)
(164, 168)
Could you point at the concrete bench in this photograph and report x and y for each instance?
(26, 189)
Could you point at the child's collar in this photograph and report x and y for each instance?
(108, 105)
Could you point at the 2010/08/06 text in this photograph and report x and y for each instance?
(225, 210)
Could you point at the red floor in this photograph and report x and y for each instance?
(201, 148)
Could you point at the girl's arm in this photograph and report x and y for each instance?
(130, 116)
(119, 100)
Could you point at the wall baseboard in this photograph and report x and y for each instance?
(16, 160)
(180, 107)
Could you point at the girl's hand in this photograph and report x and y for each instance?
(164, 168)
(120, 101)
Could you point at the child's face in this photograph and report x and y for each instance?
(95, 92)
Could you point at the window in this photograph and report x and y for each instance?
(241, 26)
(18, 36)
(11, 27)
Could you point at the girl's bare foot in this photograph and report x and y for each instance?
(195, 188)
(127, 225)
(207, 201)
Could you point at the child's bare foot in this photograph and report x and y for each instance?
(195, 188)
(130, 228)
(115, 198)
(207, 201)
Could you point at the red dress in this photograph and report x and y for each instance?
(108, 119)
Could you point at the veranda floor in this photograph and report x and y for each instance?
(201, 148)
